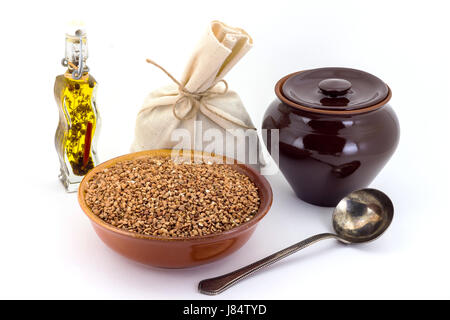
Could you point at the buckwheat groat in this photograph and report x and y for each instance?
(157, 196)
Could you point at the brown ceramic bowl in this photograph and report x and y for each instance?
(169, 252)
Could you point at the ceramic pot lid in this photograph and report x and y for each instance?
(338, 89)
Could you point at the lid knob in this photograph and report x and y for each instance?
(335, 86)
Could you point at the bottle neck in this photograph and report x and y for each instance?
(69, 74)
(76, 71)
(76, 55)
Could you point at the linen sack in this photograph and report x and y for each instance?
(199, 112)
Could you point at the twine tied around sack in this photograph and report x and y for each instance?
(196, 98)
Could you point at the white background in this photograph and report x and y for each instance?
(47, 246)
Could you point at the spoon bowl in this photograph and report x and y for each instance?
(363, 215)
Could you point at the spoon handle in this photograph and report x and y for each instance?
(219, 284)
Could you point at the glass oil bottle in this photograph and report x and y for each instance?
(79, 121)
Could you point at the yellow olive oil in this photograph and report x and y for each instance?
(77, 101)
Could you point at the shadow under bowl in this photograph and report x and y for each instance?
(170, 252)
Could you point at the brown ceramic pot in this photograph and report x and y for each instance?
(336, 131)
(176, 252)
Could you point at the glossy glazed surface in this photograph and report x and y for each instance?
(176, 252)
(334, 89)
(324, 156)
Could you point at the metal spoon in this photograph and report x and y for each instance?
(361, 216)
